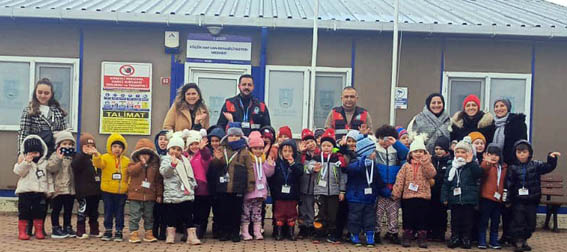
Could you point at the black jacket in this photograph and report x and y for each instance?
(462, 125)
(514, 130)
(527, 175)
(293, 172)
(85, 175)
(441, 166)
(258, 113)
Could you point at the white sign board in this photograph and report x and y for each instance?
(401, 98)
(227, 49)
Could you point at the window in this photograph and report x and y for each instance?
(294, 102)
(488, 87)
(18, 76)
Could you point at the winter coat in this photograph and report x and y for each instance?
(308, 178)
(418, 175)
(489, 184)
(178, 180)
(267, 171)
(108, 164)
(178, 120)
(334, 179)
(200, 163)
(140, 173)
(468, 179)
(61, 174)
(87, 177)
(37, 123)
(441, 165)
(33, 176)
(428, 123)
(527, 175)
(514, 130)
(390, 162)
(277, 180)
(240, 171)
(357, 183)
(462, 125)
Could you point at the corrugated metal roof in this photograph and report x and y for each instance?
(496, 17)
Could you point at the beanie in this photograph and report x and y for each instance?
(307, 134)
(286, 131)
(477, 135)
(255, 139)
(471, 98)
(234, 129)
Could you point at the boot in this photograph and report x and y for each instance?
(94, 231)
(494, 244)
(192, 236)
(422, 239)
(149, 236)
(224, 233)
(22, 230)
(454, 242)
(394, 238)
(370, 239)
(355, 240)
(406, 238)
(279, 232)
(525, 246)
(466, 243)
(235, 235)
(517, 245)
(302, 232)
(38, 225)
(482, 240)
(170, 236)
(244, 230)
(377, 238)
(134, 237)
(258, 231)
(29, 228)
(291, 231)
(81, 230)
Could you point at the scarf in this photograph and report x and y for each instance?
(432, 125)
(471, 122)
(457, 163)
(428, 102)
(499, 135)
(237, 145)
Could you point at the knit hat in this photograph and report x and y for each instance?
(364, 145)
(430, 97)
(401, 131)
(329, 136)
(269, 132)
(32, 144)
(63, 135)
(418, 143)
(443, 142)
(471, 98)
(234, 129)
(506, 102)
(307, 134)
(353, 134)
(194, 136)
(176, 139)
(216, 132)
(255, 139)
(464, 144)
(285, 130)
(477, 135)
(318, 133)
(85, 139)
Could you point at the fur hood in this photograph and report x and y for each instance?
(486, 120)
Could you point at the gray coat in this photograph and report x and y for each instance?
(176, 179)
(336, 179)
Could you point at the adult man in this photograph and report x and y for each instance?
(245, 108)
(349, 116)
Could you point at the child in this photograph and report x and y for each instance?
(214, 135)
(32, 188)
(412, 184)
(364, 184)
(160, 225)
(285, 185)
(252, 207)
(178, 189)
(114, 184)
(479, 144)
(391, 155)
(59, 165)
(403, 136)
(144, 189)
(460, 192)
(437, 217)
(233, 171)
(269, 137)
(200, 157)
(330, 186)
(87, 187)
(308, 150)
(524, 191)
(318, 133)
(492, 187)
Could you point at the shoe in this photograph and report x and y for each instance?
(192, 236)
(149, 236)
(279, 233)
(224, 235)
(422, 239)
(118, 236)
(134, 237)
(57, 233)
(170, 235)
(201, 230)
(355, 240)
(482, 240)
(406, 238)
(81, 230)
(517, 245)
(235, 236)
(332, 239)
(244, 231)
(22, 230)
(526, 247)
(257, 227)
(39, 229)
(493, 244)
(466, 243)
(70, 232)
(107, 236)
(291, 231)
(302, 232)
(370, 239)
(454, 242)
(377, 239)
(94, 231)
(394, 238)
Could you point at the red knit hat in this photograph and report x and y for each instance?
(471, 98)
(307, 134)
(329, 135)
(286, 131)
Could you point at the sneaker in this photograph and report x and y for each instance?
(82, 237)
(495, 246)
(118, 236)
(107, 236)
(70, 232)
(332, 239)
(58, 233)
(355, 240)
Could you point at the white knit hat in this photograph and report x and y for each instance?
(176, 139)
(194, 136)
(418, 143)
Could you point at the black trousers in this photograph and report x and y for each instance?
(523, 220)
(64, 202)
(180, 214)
(230, 211)
(88, 207)
(506, 221)
(32, 206)
(436, 220)
(202, 211)
(412, 214)
(462, 221)
(342, 218)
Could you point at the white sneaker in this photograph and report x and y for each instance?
(84, 236)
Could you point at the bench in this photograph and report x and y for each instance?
(552, 195)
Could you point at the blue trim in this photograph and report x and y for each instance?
(220, 61)
(173, 80)
(443, 46)
(352, 60)
(532, 92)
(80, 113)
(263, 61)
(7, 193)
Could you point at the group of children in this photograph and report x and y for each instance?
(174, 182)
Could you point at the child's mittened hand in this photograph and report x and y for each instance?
(555, 154)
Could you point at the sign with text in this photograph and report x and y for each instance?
(228, 49)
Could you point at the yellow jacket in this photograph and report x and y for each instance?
(108, 162)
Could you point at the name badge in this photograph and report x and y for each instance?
(413, 187)
(260, 186)
(457, 191)
(497, 195)
(39, 173)
(97, 178)
(146, 184)
(322, 183)
(286, 189)
(245, 125)
(523, 192)
(368, 190)
(116, 176)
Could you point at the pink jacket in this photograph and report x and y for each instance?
(200, 164)
(267, 171)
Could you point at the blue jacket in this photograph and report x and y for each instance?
(390, 161)
(356, 183)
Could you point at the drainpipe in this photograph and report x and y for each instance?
(314, 59)
(394, 65)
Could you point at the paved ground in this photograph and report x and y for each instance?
(542, 241)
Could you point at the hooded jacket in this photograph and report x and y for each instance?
(286, 174)
(267, 170)
(62, 173)
(334, 179)
(160, 152)
(468, 179)
(109, 164)
(240, 170)
(178, 180)
(87, 177)
(33, 176)
(140, 174)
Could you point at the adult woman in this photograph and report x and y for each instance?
(472, 119)
(188, 110)
(510, 127)
(42, 116)
(433, 121)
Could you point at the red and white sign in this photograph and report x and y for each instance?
(126, 76)
(165, 81)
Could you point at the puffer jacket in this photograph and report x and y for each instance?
(416, 174)
(293, 172)
(527, 175)
(62, 174)
(140, 173)
(178, 180)
(308, 178)
(33, 176)
(357, 183)
(334, 179)
(468, 179)
(109, 164)
(267, 171)
(390, 162)
(200, 164)
(441, 165)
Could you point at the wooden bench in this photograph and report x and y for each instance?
(553, 195)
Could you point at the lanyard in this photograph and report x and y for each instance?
(258, 168)
(117, 163)
(285, 172)
(370, 177)
(458, 177)
(245, 119)
(326, 167)
(524, 173)
(499, 173)
(231, 158)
